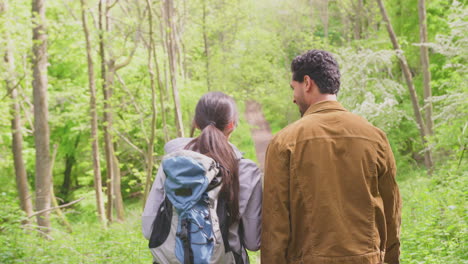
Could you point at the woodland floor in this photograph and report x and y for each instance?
(260, 129)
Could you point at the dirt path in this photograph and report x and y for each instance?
(260, 129)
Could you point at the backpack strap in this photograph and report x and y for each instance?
(224, 222)
(184, 235)
(238, 257)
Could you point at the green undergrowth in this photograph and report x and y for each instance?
(89, 242)
(434, 217)
(434, 228)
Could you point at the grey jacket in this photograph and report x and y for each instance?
(250, 201)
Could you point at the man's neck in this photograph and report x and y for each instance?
(323, 97)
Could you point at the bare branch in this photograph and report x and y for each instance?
(109, 7)
(129, 57)
(129, 142)
(56, 207)
(135, 105)
(70, 11)
(9, 90)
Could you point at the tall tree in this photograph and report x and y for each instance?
(109, 147)
(425, 66)
(171, 46)
(150, 143)
(109, 68)
(206, 45)
(409, 83)
(41, 113)
(94, 118)
(16, 127)
(323, 12)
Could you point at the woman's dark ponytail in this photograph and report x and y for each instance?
(214, 112)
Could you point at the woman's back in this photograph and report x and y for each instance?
(241, 236)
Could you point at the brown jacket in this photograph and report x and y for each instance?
(330, 194)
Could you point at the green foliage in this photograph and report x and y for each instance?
(11, 217)
(434, 228)
(250, 46)
(89, 243)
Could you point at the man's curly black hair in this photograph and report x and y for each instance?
(321, 67)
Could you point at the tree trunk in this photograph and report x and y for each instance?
(359, 20)
(207, 53)
(116, 176)
(409, 83)
(107, 116)
(425, 66)
(118, 200)
(69, 162)
(164, 41)
(149, 152)
(171, 47)
(161, 94)
(163, 89)
(115, 195)
(94, 124)
(16, 128)
(54, 198)
(324, 17)
(41, 113)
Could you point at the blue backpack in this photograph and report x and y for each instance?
(191, 225)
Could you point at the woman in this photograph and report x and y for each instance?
(216, 116)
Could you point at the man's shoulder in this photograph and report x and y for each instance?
(363, 123)
(287, 134)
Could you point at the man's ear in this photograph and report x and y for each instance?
(308, 83)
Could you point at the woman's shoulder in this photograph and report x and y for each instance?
(249, 171)
(176, 144)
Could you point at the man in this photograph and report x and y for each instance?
(330, 194)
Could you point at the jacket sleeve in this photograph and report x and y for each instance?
(154, 200)
(275, 217)
(390, 194)
(251, 187)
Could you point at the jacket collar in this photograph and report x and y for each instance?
(324, 106)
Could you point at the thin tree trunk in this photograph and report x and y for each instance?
(16, 128)
(107, 116)
(164, 41)
(41, 113)
(69, 162)
(163, 90)
(323, 12)
(149, 153)
(115, 182)
(59, 211)
(359, 20)
(409, 83)
(54, 198)
(161, 95)
(425, 66)
(171, 47)
(118, 200)
(94, 118)
(115, 195)
(207, 52)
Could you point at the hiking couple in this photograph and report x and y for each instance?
(329, 192)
